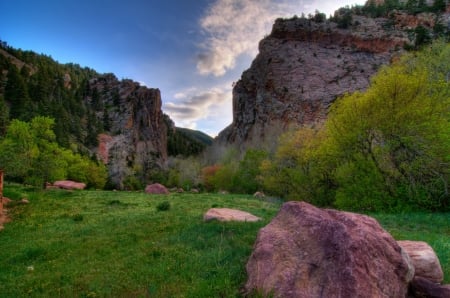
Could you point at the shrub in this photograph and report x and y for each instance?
(163, 206)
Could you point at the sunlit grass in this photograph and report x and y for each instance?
(131, 244)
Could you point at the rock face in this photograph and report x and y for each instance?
(157, 189)
(136, 138)
(310, 252)
(303, 66)
(424, 259)
(226, 214)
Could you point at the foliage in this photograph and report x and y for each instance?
(29, 153)
(184, 172)
(299, 169)
(384, 149)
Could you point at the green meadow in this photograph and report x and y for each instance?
(131, 244)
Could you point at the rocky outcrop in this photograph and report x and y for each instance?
(135, 142)
(304, 65)
(310, 252)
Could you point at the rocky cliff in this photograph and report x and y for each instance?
(305, 64)
(135, 143)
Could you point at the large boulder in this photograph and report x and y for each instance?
(310, 252)
(226, 214)
(424, 259)
(157, 189)
(67, 184)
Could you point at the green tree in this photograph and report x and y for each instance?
(16, 93)
(4, 117)
(249, 173)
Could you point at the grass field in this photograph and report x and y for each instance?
(126, 244)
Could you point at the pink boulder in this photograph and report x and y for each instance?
(67, 184)
(424, 259)
(310, 252)
(156, 188)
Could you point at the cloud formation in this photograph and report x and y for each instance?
(233, 28)
(194, 105)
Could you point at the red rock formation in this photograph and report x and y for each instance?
(137, 137)
(303, 66)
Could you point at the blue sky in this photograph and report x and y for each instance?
(192, 50)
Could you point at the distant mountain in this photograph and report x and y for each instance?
(119, 122)
(306, 63)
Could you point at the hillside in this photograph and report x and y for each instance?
(305, 64)
(119, 122)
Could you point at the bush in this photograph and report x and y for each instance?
(164, 206)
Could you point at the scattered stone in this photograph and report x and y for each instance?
(195, 190)
(223, 192)
(24, 201)
(70, 185)
(424, 260)
(310, 252)
(226, 214)
(180, 190)
(259, 195)
(157, 189)
(423, 288)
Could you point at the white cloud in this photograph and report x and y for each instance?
(233, 28)
(195, 105)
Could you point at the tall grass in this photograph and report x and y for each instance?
(124, 244)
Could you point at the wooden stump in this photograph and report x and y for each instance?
(424, 260)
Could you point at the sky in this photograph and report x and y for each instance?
(192, 50)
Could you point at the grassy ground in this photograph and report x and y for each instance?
(118, 244)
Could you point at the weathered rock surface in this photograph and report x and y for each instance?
(137, 137)
(157, 189)
(424, 259)
(423, 288)
(303, 66)
(67, 184)
(310, 252)
(226, 214)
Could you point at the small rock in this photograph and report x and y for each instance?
(69, 185)
(226, 214)
(157, 189)
(259, 195)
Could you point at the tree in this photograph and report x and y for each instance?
(17, 150)
(16, 93)
(4, 116)
(394, 138)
